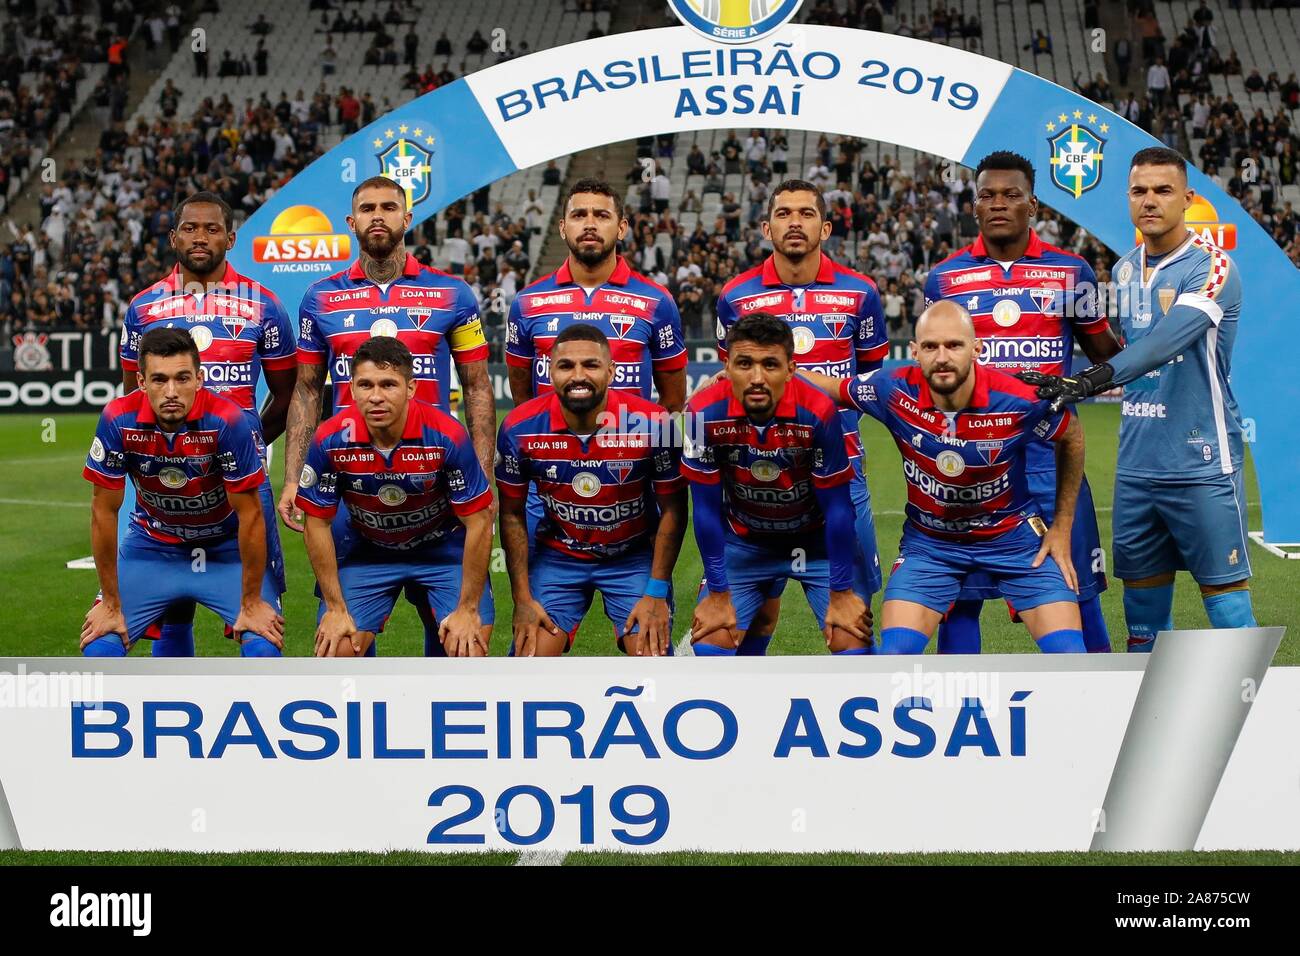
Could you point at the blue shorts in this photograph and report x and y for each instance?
(930, 571)
(1085, 542)
(371, 583)
(565, 587)
(1199, 526)
(152, 575)
(865, 525)
(757, 572)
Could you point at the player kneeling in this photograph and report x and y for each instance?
(418, 508)
(769, 473)
(606, 468)
(197, 533)
(963, 430)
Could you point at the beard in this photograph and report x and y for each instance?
(583, 404)
(812, 246)
(202, 268)
(957, 383)
(377, 247)
(590, 257)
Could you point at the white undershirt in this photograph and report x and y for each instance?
(383, 287)
(1005, 265)
(589, 289)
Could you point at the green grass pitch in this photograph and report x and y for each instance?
(44, 519)
(44, 523)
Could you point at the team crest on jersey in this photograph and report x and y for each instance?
(404, 157)
(735, 21)
(234, 325)
(1125, 273)
(989, 450)
(1077, 152)
(834, 324)
(419, 316)
(1166, 298)
(172, 477)
(620, 469)
(1045, 299)
(622, 323)
(586, 484)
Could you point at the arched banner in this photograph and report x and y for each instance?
(916, 94)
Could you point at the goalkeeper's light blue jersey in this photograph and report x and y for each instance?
(1181, 419)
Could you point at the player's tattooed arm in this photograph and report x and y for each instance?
(304, 416)
(461, 631)
(529, 615)
(280, 383)
(106, 616)
(480, 410)
(1069, 477)
(521, 383)
(650, 618)
(671, 385)
(336, 625)
(255, 615)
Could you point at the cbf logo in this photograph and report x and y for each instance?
(735, 21)
(406, 160)
(1077, 152)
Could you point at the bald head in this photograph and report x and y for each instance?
(945, 347)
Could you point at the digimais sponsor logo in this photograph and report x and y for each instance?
(735, 21)
(302, 239)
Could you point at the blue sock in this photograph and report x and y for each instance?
(712, 650)
(902, 640)
(254, 646)
(754, 645)
(959, 632)
(1147, 612)
(853, 650)
(1067, 640)
(1230, 609)
(1095, 635)
(177, 641)
(110, 645)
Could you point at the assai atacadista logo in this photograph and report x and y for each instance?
(735, 21)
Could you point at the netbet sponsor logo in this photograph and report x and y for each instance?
(998, 349)
(955, 494)
(1143, 410)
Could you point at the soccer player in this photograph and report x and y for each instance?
(387, 292)
(595, 285)
(769, 475)
(1179, 495)
(1030, 302)
(417, 506)
(197, 533)
(839, 329)
(963, 430)
(605, 466)
(241, 330)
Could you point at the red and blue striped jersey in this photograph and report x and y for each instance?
(433, 314)
(768, 472)
(180, 479)
(238, 325)
(639, 318)
(1027, 314)
(838, 322)
(598, 492)
(965, 471)
(402, 499)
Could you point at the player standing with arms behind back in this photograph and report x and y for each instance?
(1180, 501)
(1029, 301)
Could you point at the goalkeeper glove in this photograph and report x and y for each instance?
(1067, 389)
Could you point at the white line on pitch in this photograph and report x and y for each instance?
(42, 460)
(43, 504)
(541, 858)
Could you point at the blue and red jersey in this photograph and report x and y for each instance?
(422, 308)
(1026, 314)
(406, 498)
(180, 479)
(639, 318)
(965, 470)
(838, 323)
(237, 323)
(597, 492)
(768, 472)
